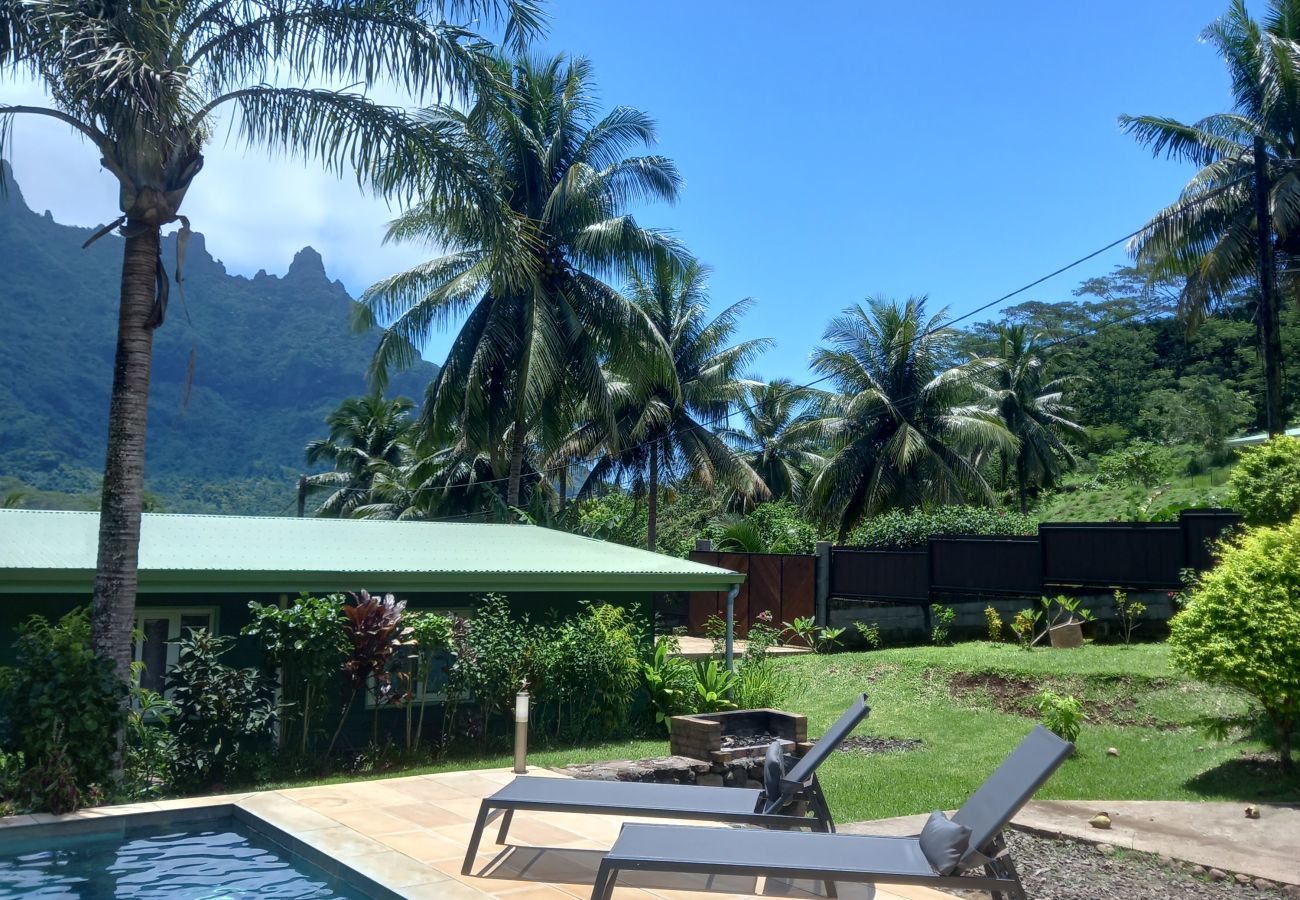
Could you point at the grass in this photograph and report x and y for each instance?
(968, 704)
(1078, 500)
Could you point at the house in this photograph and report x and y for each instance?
(198, 570)
(1253, 440)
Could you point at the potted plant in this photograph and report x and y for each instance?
(1065, 617)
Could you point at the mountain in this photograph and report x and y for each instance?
(271, 357)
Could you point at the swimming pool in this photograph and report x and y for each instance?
(219, 859)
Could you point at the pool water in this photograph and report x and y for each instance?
(218, 860)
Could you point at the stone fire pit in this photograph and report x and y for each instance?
(725, 737)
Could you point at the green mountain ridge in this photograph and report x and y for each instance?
(271, 357)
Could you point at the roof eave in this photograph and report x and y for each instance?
(19, 581)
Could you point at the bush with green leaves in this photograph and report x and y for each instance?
(495, 656)
(150, 747)
(306, 642)
(993, 622)
(941, 619)
(775, 527)
(1061, 714)
(1128, 612)
(593, 669)
(222, 716)
(63, 708)
(1025, 627)
(870, 634)
(1264, 486)
(1240, 626)
(714, 685)
(430, 636)
(670, 682)
(1140, 463)
(912, 530)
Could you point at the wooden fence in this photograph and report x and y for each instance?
(1104, 555)
(779, 583)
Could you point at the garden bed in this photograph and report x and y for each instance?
(1069, 870)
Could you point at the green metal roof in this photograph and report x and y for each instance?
(44, 550)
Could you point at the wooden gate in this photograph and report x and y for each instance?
(780, 583)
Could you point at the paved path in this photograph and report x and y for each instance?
(1213, 835)
(702, 648)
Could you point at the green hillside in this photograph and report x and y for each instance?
(271, 356)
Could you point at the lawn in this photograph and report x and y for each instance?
(969, 706)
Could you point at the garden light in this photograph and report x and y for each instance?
(521, 729)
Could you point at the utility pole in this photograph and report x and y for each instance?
(302, 496)
(1270, 330)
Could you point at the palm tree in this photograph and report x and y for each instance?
(777, 437)
(366, 433)
(537, 313)
(1210, 235)
(901, 428)
(144, 83)
(664, 412)
(1032, 409)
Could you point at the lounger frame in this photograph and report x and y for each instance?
(987, 814)
(800, 781)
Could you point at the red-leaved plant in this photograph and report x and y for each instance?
(374, 628)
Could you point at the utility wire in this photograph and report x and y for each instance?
(799, 389)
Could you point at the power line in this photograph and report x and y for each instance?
(799, 389)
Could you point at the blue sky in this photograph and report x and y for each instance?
(831, 151)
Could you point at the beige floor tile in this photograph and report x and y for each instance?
(370, 821)
(424, 844)
(443, 890)
(340, 841)
(392, 869)
(430, 815)
(285, 814)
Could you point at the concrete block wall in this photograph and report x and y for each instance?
(905, 623)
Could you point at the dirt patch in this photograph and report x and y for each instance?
(861, 743)
(1015, 694)
(1065, 870)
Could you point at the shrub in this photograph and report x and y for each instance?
(222, 716)
(775, 527)
(670, 682)
(1265, 485)
(64, 707)
(307, 642)
(593, 669)
(804, 628)
(1129, 613)
(1025, 626)
(1140, 463)
(870, 634)
(430, 635)
(150, 747)
(942, 618)
(1241, 625)
(899, 530)
(495, 655)
(713, 687)
(994, 623)
(1061, 714)
(375, 633)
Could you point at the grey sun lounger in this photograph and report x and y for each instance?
(980, 862)
(676, 801)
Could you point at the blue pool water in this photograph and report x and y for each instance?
(217, 860)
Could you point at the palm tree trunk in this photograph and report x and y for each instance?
(564, 486)
(1021, 487)
(520, 432)
(1269, 324)
(122, 493)
(652, 501)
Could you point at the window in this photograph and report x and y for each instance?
(157, 631)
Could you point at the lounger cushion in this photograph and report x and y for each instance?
(944, 842)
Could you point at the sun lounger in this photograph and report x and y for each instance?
(967, 852)
(679, 801)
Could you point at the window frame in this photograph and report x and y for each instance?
(174, 615)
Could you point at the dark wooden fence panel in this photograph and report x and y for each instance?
(1201, 528)
(902, 575)
(782, 584)
(1112, 554)
(989, 565)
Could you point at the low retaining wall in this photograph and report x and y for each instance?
(906, 623)
(744, 772)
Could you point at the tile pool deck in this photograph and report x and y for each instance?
(410, 834)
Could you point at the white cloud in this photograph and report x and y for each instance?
(255, 210)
